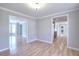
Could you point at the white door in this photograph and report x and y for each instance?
(63, 29)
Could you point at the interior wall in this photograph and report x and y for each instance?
(44, 30)
(32, 31)
(73, 40)
(4, 31)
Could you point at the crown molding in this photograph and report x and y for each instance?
(18, 13)
(58, 13)
(36, 18)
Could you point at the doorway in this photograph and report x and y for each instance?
(18, 33)
(60, 25)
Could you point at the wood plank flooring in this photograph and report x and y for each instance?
(58, 48)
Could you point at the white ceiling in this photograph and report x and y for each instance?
(48, 9)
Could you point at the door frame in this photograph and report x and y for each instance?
(52, 32)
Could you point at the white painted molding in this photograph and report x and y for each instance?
(9, 10)
(4, 49)
(54, 14)
(58, 13)
(32, 41)
(76, 49)
(39, 40)
(52, 31)
(44, 41)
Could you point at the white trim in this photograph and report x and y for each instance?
(4, 49)
(54, 14)
(50, 42)
(39, 40)
(58, 13)
(32, 41)
(73, 48)
(52, 30)
(68, 25)
(67, 29)
(44, 41)
(9, 10)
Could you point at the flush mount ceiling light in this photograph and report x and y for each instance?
(36, 5)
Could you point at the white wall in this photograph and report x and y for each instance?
(44, 30)
(40, 28)
(4, 28)
(73, 29)
(32, 30)
(73, 40)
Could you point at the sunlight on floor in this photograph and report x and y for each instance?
(12, 44)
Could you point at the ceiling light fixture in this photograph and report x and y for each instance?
(36, 5)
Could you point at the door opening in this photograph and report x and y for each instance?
(60, 25)
(18, 33)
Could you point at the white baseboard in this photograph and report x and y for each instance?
(45, 41)
(4, 49)
(73, 48)
(32, 40)
(39, 40)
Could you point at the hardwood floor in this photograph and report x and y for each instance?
(58, 48)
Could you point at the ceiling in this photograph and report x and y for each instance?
(48, 9)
